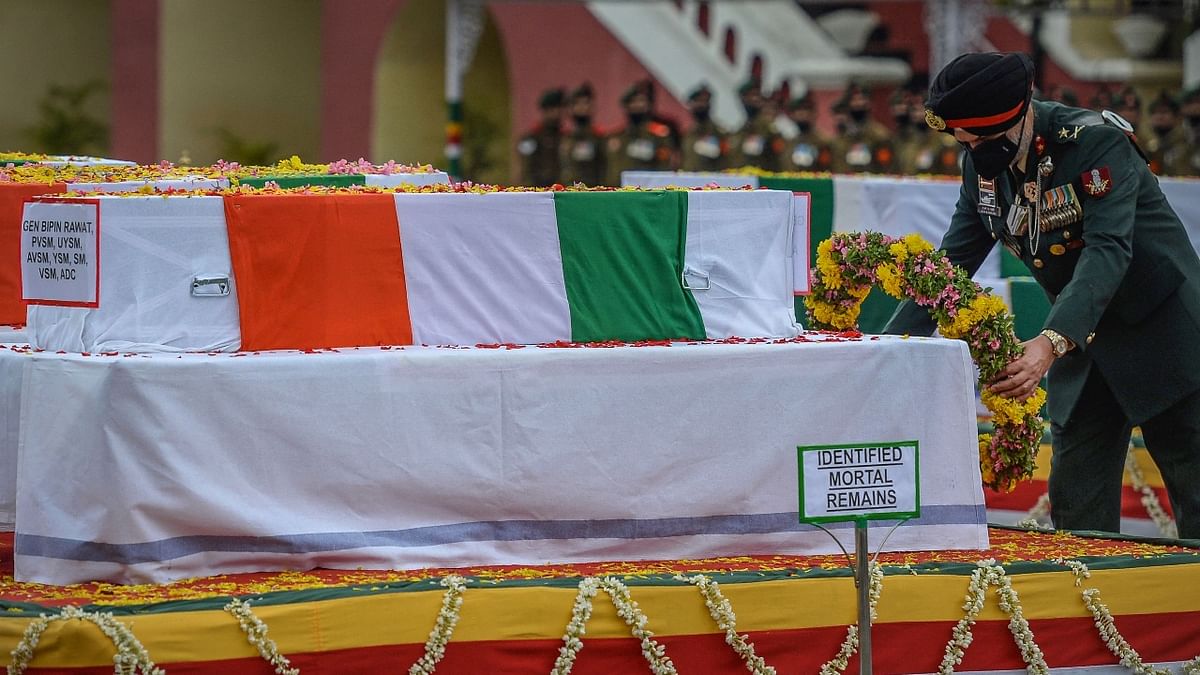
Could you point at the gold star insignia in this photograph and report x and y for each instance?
(1063, 134)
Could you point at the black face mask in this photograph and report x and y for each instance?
(700, 114)
(1193, 121)
(637, 119)
(1163, 130)
(902, 120)
(804, 127)
(859, 116)
(992, 157)
(582, 121)
(751, 110)
(841, 127)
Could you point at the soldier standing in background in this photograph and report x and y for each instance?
(539, 149)
(908, 139)
(758, 143)
(1167, 144)
(705, 145)
(809, 150)
(1128, 104)
(583, 150)
(643, 145)
(862, 144)
(1190, 110)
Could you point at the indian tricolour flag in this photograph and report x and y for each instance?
(520, 267)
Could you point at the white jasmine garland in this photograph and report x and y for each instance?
(1035, 661)
(961, 637)
(128, 659)
(838, 663)
(1041, 510)
(627, 609)
(1117, 644)
(256, 632)
(443, 628)
(581, 611)
(1166, 524)
(720, 609)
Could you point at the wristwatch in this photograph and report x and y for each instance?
(1060, 343)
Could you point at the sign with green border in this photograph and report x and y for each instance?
(861, 481)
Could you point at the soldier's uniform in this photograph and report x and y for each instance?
(539, 149)
(583, 149)
(863, 149)
(705, 147)
(1119, 270)
(643, 145)
(809, 149)
(1168, 145)
(758, 144)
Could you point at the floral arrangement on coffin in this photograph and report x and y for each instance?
(42, 173)
(294, 166)
(464, 187)
(849, 264)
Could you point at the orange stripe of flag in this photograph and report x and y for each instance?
(12, 204)
(317, 271)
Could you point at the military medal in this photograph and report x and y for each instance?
(804, 155)
(753, 145)
(1060, 207)
(708, 147)
(584, 151)
(642, 149)
(858, 155)
(987, 198)
(1058, 249)
(1097, 182)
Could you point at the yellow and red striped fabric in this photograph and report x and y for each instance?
(795, 611)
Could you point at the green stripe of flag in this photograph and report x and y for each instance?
(324, 180)
(622, 257)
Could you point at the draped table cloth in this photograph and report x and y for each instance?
(154, 467)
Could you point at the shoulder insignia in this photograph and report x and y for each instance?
(1070, 132)
(1097, 182)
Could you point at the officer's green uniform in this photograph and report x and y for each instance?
(584, 157)
(705, 148)
(809, 151)
(921, 150)
(758, 144)
(1124, 282)
(539, 150)
(642, 147)
(1171, 155)
(866, 149)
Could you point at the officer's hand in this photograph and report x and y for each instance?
(1020, 378)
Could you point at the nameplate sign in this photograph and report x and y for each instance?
(859, 482)
(60, 247)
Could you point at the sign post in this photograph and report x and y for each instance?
(859, 483)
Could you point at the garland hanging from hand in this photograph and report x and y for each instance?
(849, 264)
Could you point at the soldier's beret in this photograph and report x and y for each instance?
(803, 101)
(583, 91)
(982, 94)
(632, 91)
(749, 86)
(551, 98)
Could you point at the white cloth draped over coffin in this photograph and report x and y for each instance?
(153, 467)
(740, 244)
